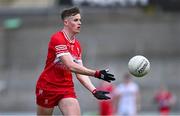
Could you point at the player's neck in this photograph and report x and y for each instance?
(70, 36)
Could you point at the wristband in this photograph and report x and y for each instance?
(97, 74)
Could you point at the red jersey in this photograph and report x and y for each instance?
(56, 76)
(163, 99)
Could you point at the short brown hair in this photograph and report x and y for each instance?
(69, 12)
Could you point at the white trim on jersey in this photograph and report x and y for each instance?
(61, 54)
(57, 59)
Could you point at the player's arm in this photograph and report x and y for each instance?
(76, 68)
(86, 82)
(80, 69)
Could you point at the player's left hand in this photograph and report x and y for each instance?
(104, 75)
(101, 95)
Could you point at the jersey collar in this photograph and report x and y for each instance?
(68, 39)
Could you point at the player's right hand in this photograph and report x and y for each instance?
(104, 75)
(101, 95)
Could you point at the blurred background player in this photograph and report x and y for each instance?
(127, 97)
(164, 99)
(55, 86)
(106, 107)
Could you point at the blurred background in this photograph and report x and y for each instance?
(112, 32)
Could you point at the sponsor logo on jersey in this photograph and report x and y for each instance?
(61, 47)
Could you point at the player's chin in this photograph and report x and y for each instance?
(77, 31)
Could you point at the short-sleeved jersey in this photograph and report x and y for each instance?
(56, 76)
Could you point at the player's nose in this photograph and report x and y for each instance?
(79, 22)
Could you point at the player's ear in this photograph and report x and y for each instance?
(65, 22)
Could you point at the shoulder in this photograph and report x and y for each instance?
(57, 37)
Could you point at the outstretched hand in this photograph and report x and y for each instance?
(104, 75)
(101, 95)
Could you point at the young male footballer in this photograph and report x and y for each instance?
(55, 85)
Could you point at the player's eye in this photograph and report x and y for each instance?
(77, 20)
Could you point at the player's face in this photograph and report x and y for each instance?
(74, 23)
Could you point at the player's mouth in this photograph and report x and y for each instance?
(78, 27)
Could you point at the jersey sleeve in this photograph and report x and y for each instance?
(59, 45)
